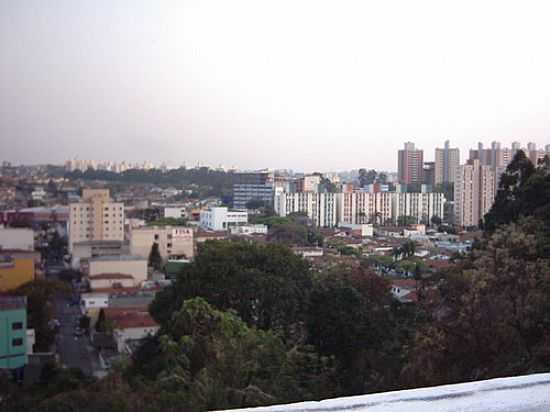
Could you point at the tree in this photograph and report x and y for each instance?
(406, 220)
(366, 177)
(435, 220)
(509, 203)
(490, 319)
(254, 204)
(267, 285)
(155, 260)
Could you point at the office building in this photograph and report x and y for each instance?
(95, 217)
(249, 186)
(13, 336)
(447, 160)
(410, 164)
(221, 218)
(474, 193)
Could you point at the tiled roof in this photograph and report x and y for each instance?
(133, 317)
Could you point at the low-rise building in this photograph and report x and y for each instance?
(15, 271)
(129, 324)
(135, 266)
(221, 218)
(13, 339)
(83, 251)
(17, 238)
(249, 230)
(171, 240)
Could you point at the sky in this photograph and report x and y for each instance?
(306, 85)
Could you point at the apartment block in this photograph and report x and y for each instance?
(410, 164)
(474, 192)
(95, 217)
(447, 160)
(356, 208)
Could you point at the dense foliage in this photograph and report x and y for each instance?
(220, 183)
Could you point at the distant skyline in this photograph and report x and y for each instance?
(303, 85)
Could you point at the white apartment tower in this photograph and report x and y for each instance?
(474, 192)
(447, 160)
(95, 217)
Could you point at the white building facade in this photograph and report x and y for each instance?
(221, 218)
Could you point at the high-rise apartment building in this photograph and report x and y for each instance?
(410, 164)
(253, 186)
(447, 160)
(474, 192)
(95, 217)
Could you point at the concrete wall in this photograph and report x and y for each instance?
(137, 268)
(11, 238)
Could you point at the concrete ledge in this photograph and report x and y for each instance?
(530, 393)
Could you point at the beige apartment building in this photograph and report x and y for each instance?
(95, 217)
(474, 192)
(447, 160)
(172, 241)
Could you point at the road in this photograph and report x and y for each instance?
(74, 352)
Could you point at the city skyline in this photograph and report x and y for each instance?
(135, 81)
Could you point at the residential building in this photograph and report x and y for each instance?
(176, 212)
(447, 160)
(171, 241)
(221, 218)
(93, 302)
(253, 186)
(474, 193)
(308, 183)
(13, 338)
(84, 251)
(15, 271)
(410, 164)
(421, 207)
(95, 217)
(321, 208)
(16, 238)
(428, 174)
(135, 266)
(129, 325)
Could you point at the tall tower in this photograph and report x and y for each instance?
(447, 160)
(410, 164)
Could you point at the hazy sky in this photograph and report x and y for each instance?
(309, 85)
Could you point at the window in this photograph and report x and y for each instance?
(17, 326)
(156, 237)
(17, 342)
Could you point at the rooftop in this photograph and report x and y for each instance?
(529, 393)
(134, 317)
(12, 302)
